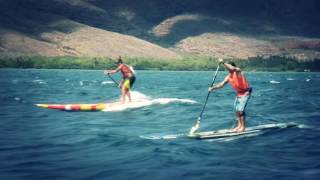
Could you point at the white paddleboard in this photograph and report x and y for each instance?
(229, 133)
(223, 133)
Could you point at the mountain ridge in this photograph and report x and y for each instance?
(160, 29)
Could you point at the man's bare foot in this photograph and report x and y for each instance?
(235, 129)
(240, 129)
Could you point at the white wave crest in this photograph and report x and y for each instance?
(170, 100)
(274, 82)
(39, 81)
(142, 100)
(164, 137)
(106, 82)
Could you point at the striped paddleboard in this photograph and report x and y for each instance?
(74, 107)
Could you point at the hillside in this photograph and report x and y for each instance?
(33, 30)
(164, 29)
(84, 41)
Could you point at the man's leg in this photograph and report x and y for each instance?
(241, 126)
(238, 121)
(123, 94)
(128, 94)
(240, 108)
(235, 105)
(126, 86)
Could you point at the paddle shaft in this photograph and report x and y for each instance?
(113, 80)
(205, 103)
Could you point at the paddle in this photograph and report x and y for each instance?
(113, 79)
(197, 125)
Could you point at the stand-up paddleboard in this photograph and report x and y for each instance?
(224, 133)
(228, 133)
(75, 107)
(139, 100)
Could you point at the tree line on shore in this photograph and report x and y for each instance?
(272, 63)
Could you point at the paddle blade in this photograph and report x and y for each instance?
(195, 127)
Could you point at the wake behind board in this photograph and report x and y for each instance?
(228, 133)
(75, 107)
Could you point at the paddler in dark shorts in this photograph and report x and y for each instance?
(240, 84)
(128, 78)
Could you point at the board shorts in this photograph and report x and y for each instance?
(128, 82)
(241, 102)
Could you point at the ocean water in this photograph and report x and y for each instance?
(37, 143)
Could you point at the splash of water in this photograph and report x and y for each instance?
(274, 82)
(141, 100)
(106, 82)
(39, 81)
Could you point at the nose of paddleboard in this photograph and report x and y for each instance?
(42, 105)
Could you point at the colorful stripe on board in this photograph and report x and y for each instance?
(74, 107)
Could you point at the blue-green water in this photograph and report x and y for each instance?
(39, 143)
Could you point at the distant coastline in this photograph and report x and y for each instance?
(273, 63)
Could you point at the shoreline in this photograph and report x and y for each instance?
(256, 64)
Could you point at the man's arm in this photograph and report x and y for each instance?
(219, 85)
(228, 66)
(112, 71)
